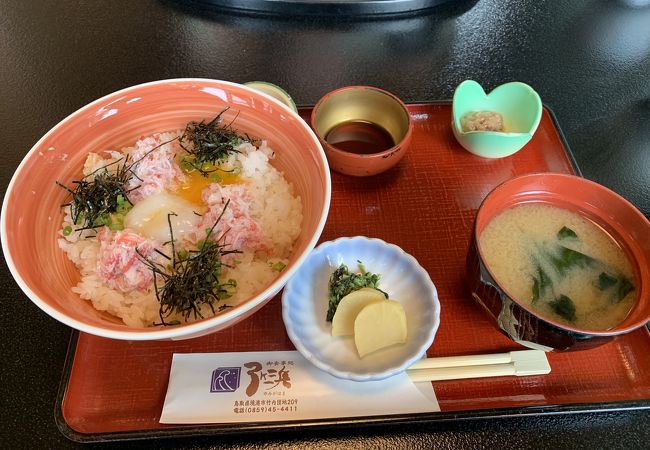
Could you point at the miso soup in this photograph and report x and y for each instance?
(561, 265)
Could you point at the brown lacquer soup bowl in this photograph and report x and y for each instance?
(32, 214)
(609, 211)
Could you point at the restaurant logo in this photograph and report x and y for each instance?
(270, 378)
(225, 379)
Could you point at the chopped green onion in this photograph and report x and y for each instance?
(116, 226)
(187, 166)
(278, 266)
(67, 230)
(104, 219)
(215, 178)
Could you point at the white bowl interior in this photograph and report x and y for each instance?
(305, 303)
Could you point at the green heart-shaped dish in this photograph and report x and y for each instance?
(518, 104)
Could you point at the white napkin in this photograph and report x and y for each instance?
(279, 386)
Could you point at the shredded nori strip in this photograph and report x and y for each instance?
(193, 277)
(103, 192)
(95, 196)
(342, 282)
(210, 143)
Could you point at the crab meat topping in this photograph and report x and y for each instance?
(154, 167)
(240, 230)
(118, 263)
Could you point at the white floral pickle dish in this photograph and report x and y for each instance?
(305, 304)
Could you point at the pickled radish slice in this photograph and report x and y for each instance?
(350, 306)
(379, 325)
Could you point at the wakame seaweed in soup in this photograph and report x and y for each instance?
(560, 265)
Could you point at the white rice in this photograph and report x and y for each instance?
(275, 207)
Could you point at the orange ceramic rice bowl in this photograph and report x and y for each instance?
(32, 214)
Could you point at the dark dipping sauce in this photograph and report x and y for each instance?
(360, 137)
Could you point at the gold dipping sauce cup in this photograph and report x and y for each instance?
(363, 129)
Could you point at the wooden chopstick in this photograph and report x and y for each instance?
(518, 363)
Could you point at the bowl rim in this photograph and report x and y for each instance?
(329, 148)
(256, 84)
(372, 376)
(455, 120)
(579, 179)
(187, 329)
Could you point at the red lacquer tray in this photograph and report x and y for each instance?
(426, 205)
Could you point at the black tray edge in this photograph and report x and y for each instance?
(563, 139)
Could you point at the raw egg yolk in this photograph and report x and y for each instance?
(191, 189)
(194, 184)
